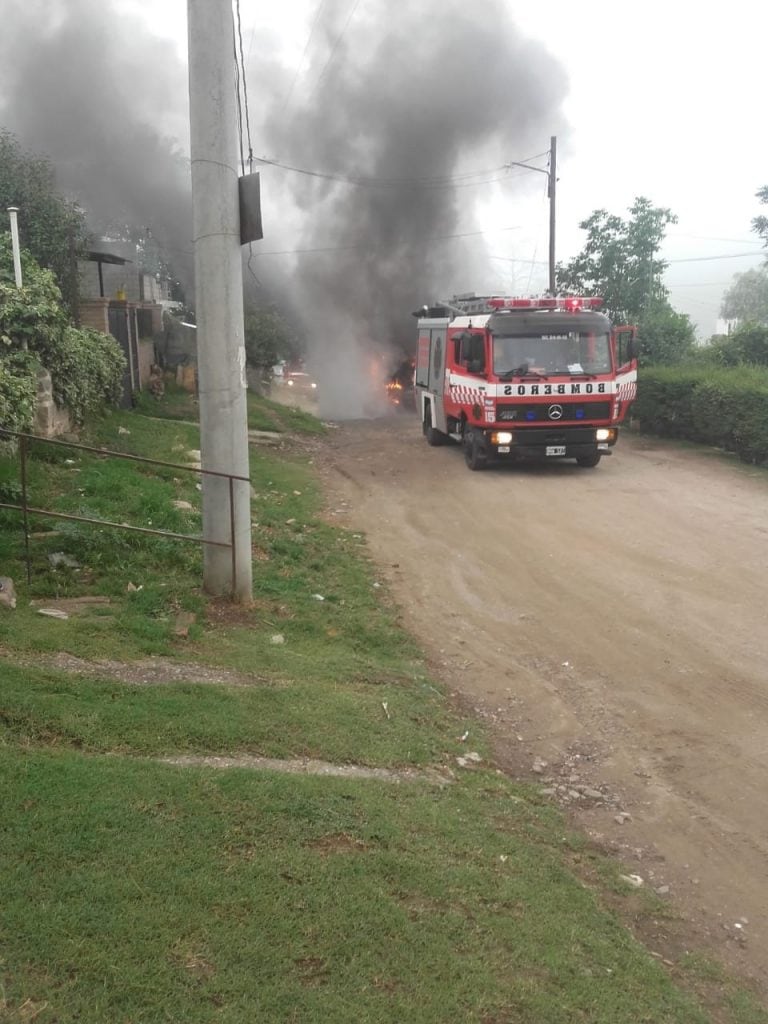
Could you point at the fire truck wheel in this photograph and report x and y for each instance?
(434, 437)
(588, 461)
(474, 456)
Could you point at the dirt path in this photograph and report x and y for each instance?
(610, 622)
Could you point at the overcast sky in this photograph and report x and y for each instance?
(665, 99)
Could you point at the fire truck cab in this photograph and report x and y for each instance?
(509, 378)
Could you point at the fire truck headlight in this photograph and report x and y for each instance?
(502, 437)
(313, 384)
(603, 434)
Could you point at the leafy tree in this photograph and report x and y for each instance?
(268, 338)
(620, 260)
(747, 298)
(760, 224)
(665, 335)
(52, 229)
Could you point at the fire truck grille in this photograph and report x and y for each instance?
(540, 412)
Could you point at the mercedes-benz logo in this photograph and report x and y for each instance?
(555, 412)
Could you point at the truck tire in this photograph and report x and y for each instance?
(474, 456)
(434, 437)
(588, 461)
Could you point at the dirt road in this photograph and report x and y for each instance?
(610, 622)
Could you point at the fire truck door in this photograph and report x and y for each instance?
(625, 347)
(437, 361)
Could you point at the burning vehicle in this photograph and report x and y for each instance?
(400, 386)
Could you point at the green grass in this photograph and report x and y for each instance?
(342, 722)
(139, 892)
(297, 556)
(263, 413)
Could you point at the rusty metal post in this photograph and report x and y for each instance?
(233, 533)
(25, 504)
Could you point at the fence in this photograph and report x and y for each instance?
(28, 510)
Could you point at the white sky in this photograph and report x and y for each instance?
(667, 100)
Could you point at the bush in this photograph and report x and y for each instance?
(665, 336)
(18, 391)
(747, 345)
(86, 366)
(727, 408)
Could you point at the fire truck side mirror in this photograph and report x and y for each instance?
(634, 347)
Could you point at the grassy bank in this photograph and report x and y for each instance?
(138, 891)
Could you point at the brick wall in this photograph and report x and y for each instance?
(95, 313)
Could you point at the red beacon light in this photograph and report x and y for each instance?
(571, 303)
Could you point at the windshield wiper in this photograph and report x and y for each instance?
(521, 371)
(579, 373)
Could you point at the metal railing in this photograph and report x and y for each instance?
(28, 510)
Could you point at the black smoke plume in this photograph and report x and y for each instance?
(414, 99)
(106, 101)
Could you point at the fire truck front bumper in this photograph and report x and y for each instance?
(545, 443)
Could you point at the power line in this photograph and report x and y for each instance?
(315, 22)
(511, 259)
(434, 182)
(709, 238)
(336, 45)
(240, 75)
(245, 86)
(237, 101)
(698, 284)
(363, 245)
(722, 256)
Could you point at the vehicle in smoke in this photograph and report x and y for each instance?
(512, 378)
(299, 383)
(399, 387)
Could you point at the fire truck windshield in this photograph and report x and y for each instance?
(567, 353)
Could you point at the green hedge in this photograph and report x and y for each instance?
(727, 408)
(86, 368)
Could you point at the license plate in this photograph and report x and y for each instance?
(555, 449)
(503, 449)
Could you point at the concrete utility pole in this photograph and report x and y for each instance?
(219, 294)
(551, 190)
(13, 213)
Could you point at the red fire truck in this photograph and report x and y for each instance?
(512, 378)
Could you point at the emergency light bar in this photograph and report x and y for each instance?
(571, 303)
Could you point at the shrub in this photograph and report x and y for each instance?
(18, 390)
(86, 366)
(727, 408)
